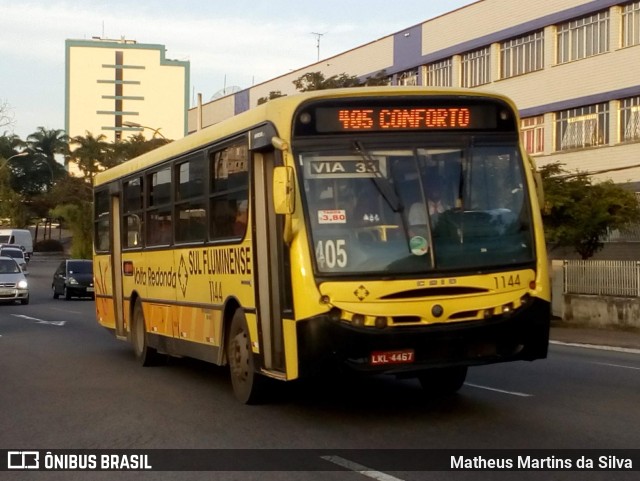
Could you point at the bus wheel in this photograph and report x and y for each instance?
(245, 380)
(441, 381)
(147, 356)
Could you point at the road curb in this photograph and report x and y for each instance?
(628, 350)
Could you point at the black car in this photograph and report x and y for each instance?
(73, 278)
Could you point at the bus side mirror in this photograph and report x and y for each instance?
(283, 191)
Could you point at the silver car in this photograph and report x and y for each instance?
(13, 283)
(16, 253)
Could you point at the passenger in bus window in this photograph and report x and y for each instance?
(240, 224)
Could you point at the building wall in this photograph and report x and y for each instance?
(110, 82)
(605, 78)
(372, 57)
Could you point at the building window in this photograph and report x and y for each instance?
(582, 127)
(533, 134)
(522, 55)
(439, 74)
(630, 119)
(631, 24)
(408, 78)
(476, 67)
(583, 37)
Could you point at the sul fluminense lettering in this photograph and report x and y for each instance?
(232, 260)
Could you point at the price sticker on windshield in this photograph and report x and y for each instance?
(332, 216)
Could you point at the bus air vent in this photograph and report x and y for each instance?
(435, 292)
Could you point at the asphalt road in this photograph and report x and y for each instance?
(66, 383)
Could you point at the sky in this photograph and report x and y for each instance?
(227, 42)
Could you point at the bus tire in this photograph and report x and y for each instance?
(441, 381)
(247, 383)
(146, 356)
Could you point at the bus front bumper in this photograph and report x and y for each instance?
(521, 335)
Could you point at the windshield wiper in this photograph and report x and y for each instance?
(381, 183)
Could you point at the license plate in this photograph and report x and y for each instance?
(403, 356)
(6, 292)
(89, 289)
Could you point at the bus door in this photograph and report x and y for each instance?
(116, 265)
(268, 262)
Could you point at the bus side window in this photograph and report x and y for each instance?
(223, 216)
(242, 214)
(229, 188)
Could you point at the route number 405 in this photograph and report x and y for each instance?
(331, 254)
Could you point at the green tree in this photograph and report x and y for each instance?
(78, 217)
(12, 204)
(44, 146)
(579, 213)
(91, 154)
(131, 147)
(317, 81)
(10, 145)
(274, 94)
(380, 79)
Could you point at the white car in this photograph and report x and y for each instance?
(16, 253)
(13, 283)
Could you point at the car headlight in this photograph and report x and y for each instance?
(23, 284)
(72, 280)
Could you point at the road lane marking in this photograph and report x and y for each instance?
(595, 346)
(359, 468)
(616, 365)
(513, 393)
(66, 310)
(40, 321)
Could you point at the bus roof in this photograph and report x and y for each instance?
(279, 111)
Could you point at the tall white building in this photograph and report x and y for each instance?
(117, 88)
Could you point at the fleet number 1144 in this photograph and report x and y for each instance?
(502, 282)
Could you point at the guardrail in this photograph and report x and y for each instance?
(602, 278)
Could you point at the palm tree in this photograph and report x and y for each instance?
(92, 154)
(44, 146)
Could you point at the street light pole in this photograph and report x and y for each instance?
(21, 154)
(6, 161)
(139, 126)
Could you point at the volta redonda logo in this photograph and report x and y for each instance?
(155, 277)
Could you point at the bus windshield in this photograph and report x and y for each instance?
(409, 208)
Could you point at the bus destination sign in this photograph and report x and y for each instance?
(406, 114)
(380, 118)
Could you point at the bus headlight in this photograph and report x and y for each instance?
(358, 320)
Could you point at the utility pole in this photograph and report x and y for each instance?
(318, 35)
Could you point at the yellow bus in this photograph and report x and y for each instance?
(381, 230)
